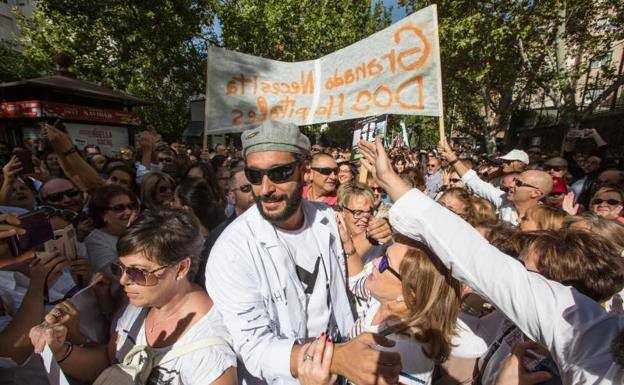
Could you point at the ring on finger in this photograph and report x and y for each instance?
(307, 357)
(56, 312)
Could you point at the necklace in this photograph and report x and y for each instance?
(154, 324)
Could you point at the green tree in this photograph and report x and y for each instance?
(15, 66)
(151, 49)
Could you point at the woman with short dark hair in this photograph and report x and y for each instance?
(111, 208)
(166, 311)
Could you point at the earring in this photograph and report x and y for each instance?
(178, 278)
(398, 299)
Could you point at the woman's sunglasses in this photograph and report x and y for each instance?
(244, 188)
(385, 265)
(610, 202)
(276, 174)
(132, 206)
(139, 276)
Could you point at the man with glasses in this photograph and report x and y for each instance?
(433, 179)
(277, 276)
(63, 194)
(527, 191)
(323, 180)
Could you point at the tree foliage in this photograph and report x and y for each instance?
(151, 49)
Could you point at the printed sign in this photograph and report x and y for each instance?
(394, 71)
(108, 138)
(367, 129)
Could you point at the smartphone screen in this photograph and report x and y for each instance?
(38, 231)
(25, 158)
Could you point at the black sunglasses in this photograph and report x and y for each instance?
(455, 180)
(122, 207)
(553, 168)
(327, 171)
(165, 160)
(276, 174)
(139, 276)
(520, 183)
(66, 214)
(385, 265)
(244, 188)
(57, 197)
(164, 189)
(610, 202)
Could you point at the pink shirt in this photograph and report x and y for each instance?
(331, 200)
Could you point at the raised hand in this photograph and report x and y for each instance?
(379, 229)
(568, 204)
(11, 169)
(65, 313)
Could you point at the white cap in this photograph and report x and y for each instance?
(518, 155)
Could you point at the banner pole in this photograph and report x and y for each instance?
(207, 101)
(439, 71)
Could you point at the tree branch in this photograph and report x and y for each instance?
(603, 95)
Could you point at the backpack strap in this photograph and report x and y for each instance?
(197, 345)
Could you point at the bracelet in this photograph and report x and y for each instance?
(452, 163)
(70, 348)
(350, 253)
(371, 240)
(70, 151)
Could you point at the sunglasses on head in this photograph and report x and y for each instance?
(123, 207)
(139, 276)
(276, 174)
(610, 202)
(57, 197)
(327, 171)
(66, 214)
(385, 265)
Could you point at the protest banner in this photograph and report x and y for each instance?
(394, 71)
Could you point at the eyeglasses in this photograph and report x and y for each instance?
(520, 183)
(165, 160)
(377, 190)
(385, 265)
(327, 171)
(244, 188)
(455, 180)
(276, 174)
(57, 197)
(139, 276)
(164, 189)
(431, 165)
(359, 214)
(132, 206)
(610, 202)
(66, 214)
(554, 168)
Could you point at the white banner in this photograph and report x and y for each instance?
(394, 71)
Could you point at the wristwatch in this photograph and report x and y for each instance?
(350, 253)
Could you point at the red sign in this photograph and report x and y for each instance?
(42, 108)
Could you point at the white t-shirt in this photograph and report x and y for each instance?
(200, 367)
(302, 247)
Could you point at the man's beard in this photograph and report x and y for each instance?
(292, 204)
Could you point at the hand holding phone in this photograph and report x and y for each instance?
(12, 169)
(25, 160)
(37, 231)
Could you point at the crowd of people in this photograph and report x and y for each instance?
(285, 262)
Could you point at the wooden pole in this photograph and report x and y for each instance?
(207, 101)
(439, 73)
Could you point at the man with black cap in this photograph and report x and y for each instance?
(277, 274)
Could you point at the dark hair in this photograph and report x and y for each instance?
(197, 194)
(127, 170)
(210, 177)
(217, 161)
(100, 201)
(166, 236)
(578, 258)
(501, 235)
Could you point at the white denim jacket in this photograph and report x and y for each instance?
(253, 283)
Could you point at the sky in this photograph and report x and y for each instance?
(397, 13)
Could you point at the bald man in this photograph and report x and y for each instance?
(527, 190)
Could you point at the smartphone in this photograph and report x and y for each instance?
(38, 231)
(25, 158)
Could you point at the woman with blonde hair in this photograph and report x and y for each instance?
(542, 218)
(157, 190)
(412, 299)
(608, 202)
(459, 201)
(483, 210)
